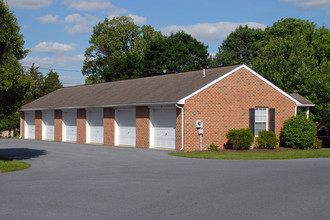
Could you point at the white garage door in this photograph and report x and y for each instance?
(126, 121)
(163, 125)
(30, 125)
(95, 129)
(70, 126)
(48, 125)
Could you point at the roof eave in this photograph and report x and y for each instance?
(305, 105)
(99, 106)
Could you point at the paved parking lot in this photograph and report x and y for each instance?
(79, 181)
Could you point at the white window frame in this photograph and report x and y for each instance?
(255, 119)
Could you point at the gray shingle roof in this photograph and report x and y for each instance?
(301, 99)
(156, 89)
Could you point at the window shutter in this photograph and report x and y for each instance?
(272, 120)
(251, 121)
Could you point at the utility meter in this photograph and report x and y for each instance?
(199, 124)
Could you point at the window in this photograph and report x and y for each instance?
(260, 120)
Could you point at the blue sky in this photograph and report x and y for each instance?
(57, 31)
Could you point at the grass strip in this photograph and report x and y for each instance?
(248, 155)
(12, 165)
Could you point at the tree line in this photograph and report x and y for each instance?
(292, 53)
(17, 85)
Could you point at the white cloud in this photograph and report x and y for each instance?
(73, 18)
(66, 60)
(82, 24)
(29, 4)
(207, 32)
(88, 5)
(310, 3)
(52, 47)
(48, 19)
(138, 19)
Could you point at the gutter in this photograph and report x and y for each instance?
(182, 125)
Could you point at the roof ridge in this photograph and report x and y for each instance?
(160, 75)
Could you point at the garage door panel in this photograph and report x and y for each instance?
(70, 123)
(30, 125)
(127, 136)
(95, 121)
(48, 120)
(126, 120)
(164, 127)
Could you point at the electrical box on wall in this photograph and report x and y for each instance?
(199, 124)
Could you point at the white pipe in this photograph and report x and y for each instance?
(182, 126)
(295, 110)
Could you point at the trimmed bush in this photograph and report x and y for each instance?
(298, 132)
(240, 139)
(317, 144)
(267, 140)
(213, 147)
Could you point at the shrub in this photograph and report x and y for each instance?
(213, 147)
(240, 139)
(298, 132)
(267, 140)
(317, 144)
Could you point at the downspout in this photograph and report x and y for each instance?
(182, 125)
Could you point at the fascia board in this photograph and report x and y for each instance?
(305, 105)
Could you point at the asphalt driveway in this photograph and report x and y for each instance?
(79, 181)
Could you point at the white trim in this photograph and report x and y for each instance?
(101, 106)
(306, 105)
(182, 101)
(151, 128)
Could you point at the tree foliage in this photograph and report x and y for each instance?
(292, 53)
(117, 50)
(14, 83)
(41, 85)
(178, 52)
(121, 49)
(239, 46)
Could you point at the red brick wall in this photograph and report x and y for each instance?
(178, 129)
(38, 125)
(23, 125)
(142, 127)
(225, 105)
(109, 126)
(58, 125)
(81, 126)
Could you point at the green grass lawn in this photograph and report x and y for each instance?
(12, 165)
(249, 155)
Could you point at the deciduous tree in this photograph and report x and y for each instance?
(14, 83)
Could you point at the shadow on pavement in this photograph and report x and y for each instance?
(21, 153)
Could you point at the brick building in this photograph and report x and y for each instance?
(161, 111)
